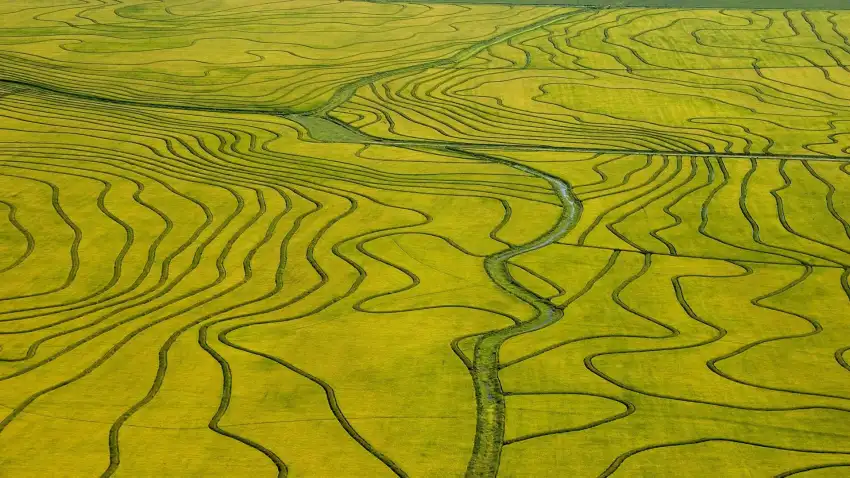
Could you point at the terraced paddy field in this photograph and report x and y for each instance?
(348, 239)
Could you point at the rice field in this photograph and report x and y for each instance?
(330, 238)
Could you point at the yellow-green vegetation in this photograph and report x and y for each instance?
(636, 80)
(234, 54)
(325, 238)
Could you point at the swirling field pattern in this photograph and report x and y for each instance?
(350, 239)
(637, 80)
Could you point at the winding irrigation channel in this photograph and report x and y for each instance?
(489, 396)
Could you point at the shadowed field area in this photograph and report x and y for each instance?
(351, 239)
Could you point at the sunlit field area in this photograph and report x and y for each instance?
(334, 238)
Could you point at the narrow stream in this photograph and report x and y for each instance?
(489, 396)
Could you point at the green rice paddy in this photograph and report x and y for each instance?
(352, 239)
